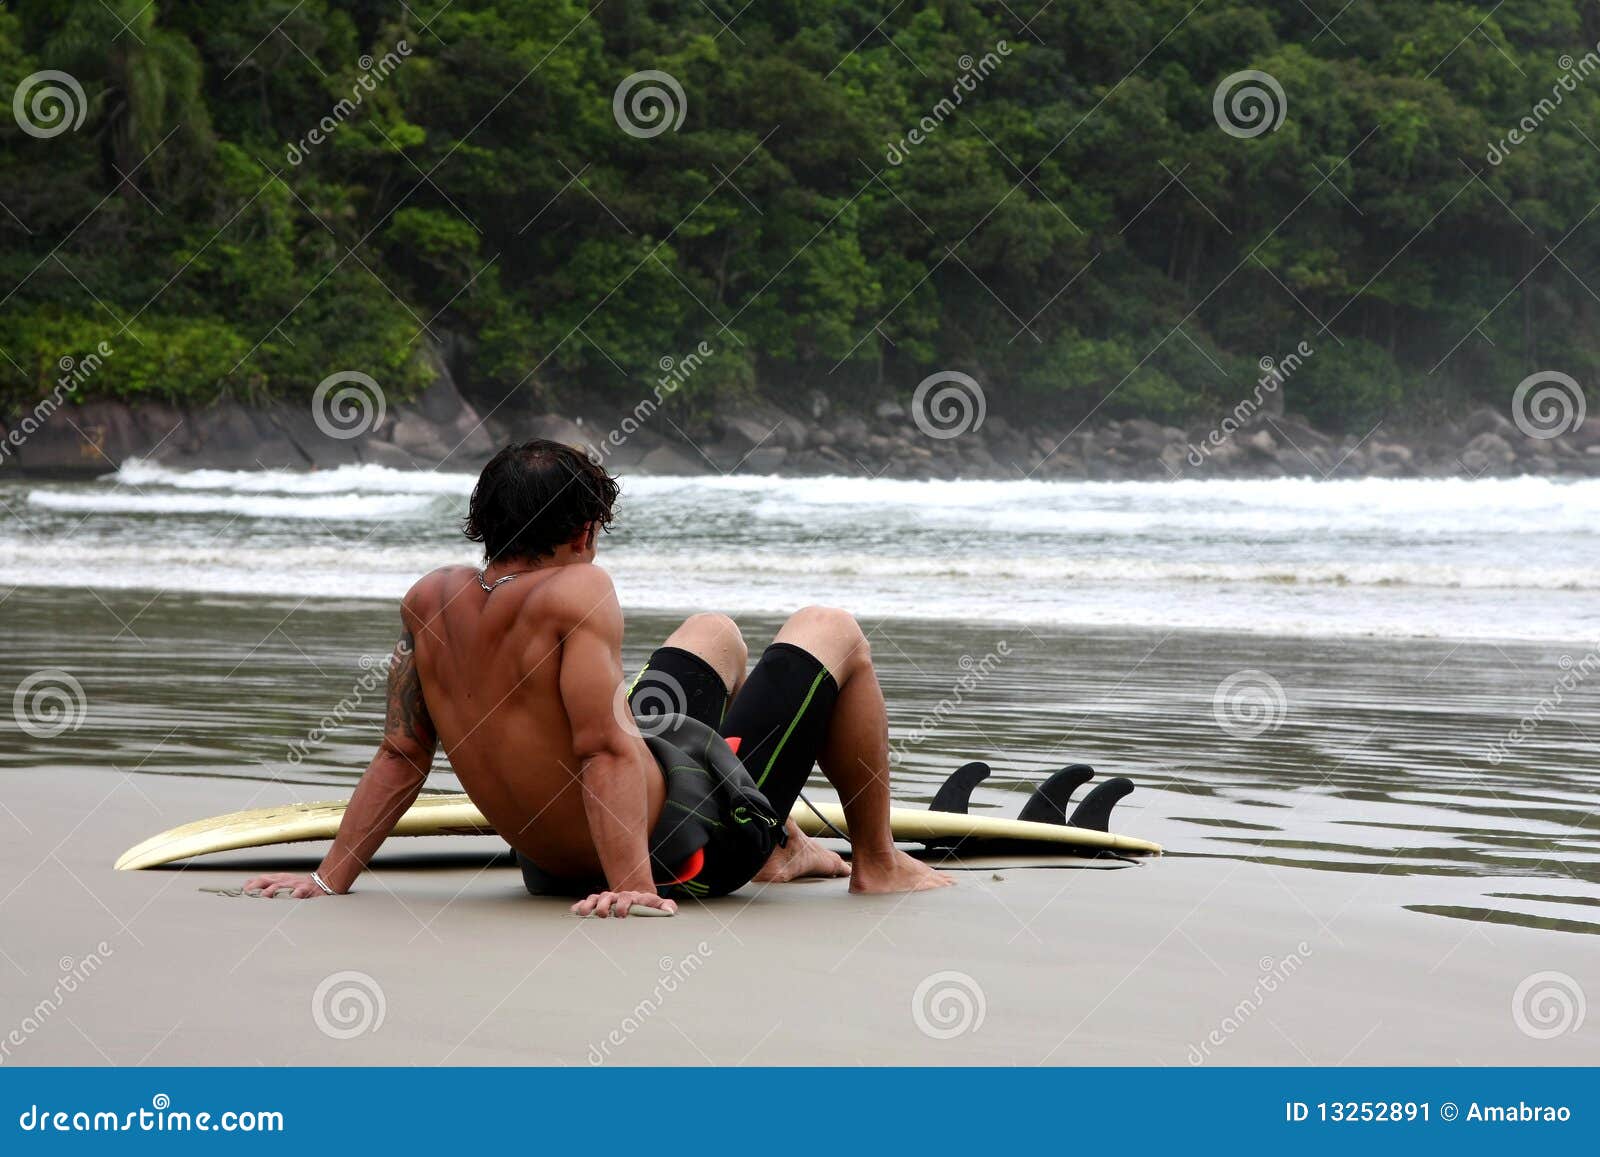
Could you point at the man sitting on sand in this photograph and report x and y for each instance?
(620, 794)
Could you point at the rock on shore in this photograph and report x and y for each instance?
(442, 430)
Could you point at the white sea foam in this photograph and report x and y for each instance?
(1499, 558)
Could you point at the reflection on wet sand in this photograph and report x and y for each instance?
(1351, 755)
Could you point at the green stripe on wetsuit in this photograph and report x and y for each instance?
(793, 723)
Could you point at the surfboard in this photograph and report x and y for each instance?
(456, 815)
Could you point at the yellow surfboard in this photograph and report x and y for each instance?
(456, 815)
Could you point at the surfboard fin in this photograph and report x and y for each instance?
(1095, 810)
(1048, 803)
(955, 792)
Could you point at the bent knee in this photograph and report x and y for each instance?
(830, 633)
(715, 629)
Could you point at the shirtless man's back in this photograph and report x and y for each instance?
(517, 670)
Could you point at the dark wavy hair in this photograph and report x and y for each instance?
(534, 496)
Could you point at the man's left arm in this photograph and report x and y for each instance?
(390, 786)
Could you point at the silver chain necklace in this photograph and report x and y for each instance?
(501, 581)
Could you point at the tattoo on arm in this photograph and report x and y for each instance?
(408, 720)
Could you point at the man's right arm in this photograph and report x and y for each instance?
(614, 763)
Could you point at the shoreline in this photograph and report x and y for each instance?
(807, 437)
(1103, 631)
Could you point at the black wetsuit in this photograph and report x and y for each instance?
(718, 827)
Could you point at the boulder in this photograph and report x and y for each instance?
(1495, 450)
(555, 428)
(93, 438)
(670, 460)
(768, 459)
(418, 436)
(852, 433)
(741, 435)
(1260, 443)
(1483, 420)
(380, 453)
(299, 427)
(227, 436)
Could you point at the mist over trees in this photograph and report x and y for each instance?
(1048, 197)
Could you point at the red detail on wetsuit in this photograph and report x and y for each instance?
(691, 867)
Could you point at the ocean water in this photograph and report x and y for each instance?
(1499, 559)
(1392, 678)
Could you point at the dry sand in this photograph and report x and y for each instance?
(1135, 965)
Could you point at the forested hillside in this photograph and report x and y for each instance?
(1064, 200)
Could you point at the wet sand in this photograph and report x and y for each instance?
(1178, 961)
(1355, 884)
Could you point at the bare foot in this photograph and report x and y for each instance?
(802, 857)
(895, 872)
